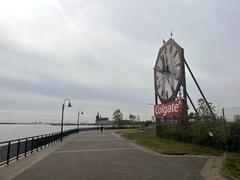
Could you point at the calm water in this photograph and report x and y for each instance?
(16, 131)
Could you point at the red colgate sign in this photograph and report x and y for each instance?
(173, 108)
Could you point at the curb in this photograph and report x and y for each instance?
(133, 142)
(210, 171)
(226, 175)
(169, 153)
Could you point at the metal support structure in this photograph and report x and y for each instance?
(63, 105)
(225, 129)
(8, 152)
(18, 149)
(200, 90)
(79, 112)
(62, 122)
(45, 145)
(37, 142)
(32, 145)
(184, 85)
(41, 143)
(25, 153)
(78, 122)
(156, 103)
(192, 103)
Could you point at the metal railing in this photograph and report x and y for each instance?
(14, 149)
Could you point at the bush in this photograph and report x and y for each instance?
(195, 132)
(202, 129)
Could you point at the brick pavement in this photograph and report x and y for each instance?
(93, 155)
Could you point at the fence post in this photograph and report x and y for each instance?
(45, 142)
(41, 141)
(49, 139)
(52, 138)
(32, 145)
(25, 153)
(8, 152)
(18, 148)
(37, 142)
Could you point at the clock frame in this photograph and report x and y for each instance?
(169, 71)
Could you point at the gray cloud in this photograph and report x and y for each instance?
(101, 54)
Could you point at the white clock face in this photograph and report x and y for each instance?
(168, 72)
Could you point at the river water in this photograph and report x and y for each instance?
(16, 131)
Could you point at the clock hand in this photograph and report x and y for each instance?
(159, 70)
(167, 66)
(170, 84)
(168, 80)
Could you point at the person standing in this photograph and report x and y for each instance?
(101, 128)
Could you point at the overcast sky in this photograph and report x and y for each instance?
(101, 55)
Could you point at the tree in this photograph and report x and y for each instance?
(132, 117)
(203, 110)
(236, 118)
(191, 115)
(118, 117)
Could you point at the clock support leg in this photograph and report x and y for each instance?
(185, 91)
(157, 119)
(195, 109)
(210, 109)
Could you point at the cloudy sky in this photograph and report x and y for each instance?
(101, 54)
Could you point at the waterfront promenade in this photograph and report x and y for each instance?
(93, 155)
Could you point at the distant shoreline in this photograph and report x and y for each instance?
(52, 124)
(6, 123)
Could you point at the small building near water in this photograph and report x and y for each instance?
(102, 120)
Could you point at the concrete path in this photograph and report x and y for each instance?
(94, 155)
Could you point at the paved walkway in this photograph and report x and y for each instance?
(93, 155)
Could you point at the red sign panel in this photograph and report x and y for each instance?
(173, 108)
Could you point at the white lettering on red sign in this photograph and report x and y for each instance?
(173, 108)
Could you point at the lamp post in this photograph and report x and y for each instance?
(79, 112)
(63, 105)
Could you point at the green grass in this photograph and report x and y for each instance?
(148, 139)
(232, 163)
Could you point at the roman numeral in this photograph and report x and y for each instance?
(162, 93)
(166, 59)
(175, 54)
(163, 57)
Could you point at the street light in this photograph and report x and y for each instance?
(79, 112)
(69, 105)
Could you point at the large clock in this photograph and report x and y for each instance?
(168, 71)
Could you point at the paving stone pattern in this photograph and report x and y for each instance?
(94, 155)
